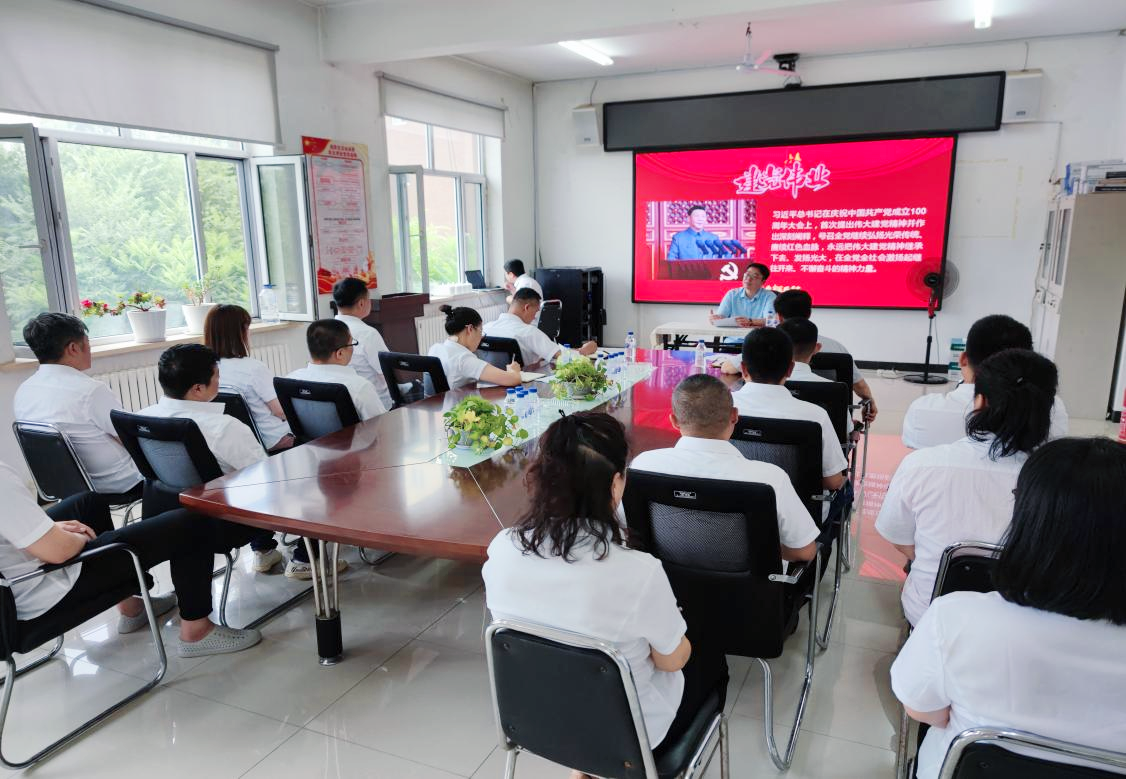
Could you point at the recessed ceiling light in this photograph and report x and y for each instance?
(588, 51)
(983, 14)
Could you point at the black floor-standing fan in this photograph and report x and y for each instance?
(932, 286)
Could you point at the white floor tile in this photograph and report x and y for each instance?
(527, 767)
(463, 627)
(309, 755)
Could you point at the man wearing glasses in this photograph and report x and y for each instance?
(749, 304)
(330, 350)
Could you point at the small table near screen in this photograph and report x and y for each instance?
(676, 335)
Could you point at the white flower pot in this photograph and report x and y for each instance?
(194, 316)
(148, 326)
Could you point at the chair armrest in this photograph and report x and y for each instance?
(85, 554)
(796, 571)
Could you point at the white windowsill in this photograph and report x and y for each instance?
(125, 347)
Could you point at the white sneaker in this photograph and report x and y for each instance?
(220, 641)
(266, 559)
(161, 605)
(295, 569)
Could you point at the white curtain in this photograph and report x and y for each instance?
(423, 105)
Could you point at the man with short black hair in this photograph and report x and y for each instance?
(803, 335)
(936, 419)
(515, 277)
(750, 304)
(703, 412)
(330, 345)
(691, 243)
(61, 394)
(517, 323)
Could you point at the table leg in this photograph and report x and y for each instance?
(326, 598)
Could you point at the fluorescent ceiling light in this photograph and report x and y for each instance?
(588, 51)
(983, 14)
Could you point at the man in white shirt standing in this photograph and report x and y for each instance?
(515, 277)
(940, 418)
(59, 393)
(703, 412)
(517, 323)
(331, 345)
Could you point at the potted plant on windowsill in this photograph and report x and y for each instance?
(476, 424)
(580, 379)
(195, 310)
(145, 310)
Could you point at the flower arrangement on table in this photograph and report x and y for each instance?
(480, 425)
(580, 379)
(138, 301)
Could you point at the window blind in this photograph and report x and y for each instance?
(418, 104)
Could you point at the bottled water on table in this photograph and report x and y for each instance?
(564, 355)
(701, 355)
(521, 404)
(268, 304)
(510, 400)
(631, 347)
(533, 404)
(771, 319)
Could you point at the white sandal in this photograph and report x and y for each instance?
(220, 641)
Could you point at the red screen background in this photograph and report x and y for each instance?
(859, 232)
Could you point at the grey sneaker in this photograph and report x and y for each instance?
(295, 569)
(266, 559)
(220, 641)
(161, 605)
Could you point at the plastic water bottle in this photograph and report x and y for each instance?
(268, 304)
(521, 405)
(510, 401)
(620, 364)
(631, 347)
(771, 319)
(701, 355)
(564, 355)
(533, 404)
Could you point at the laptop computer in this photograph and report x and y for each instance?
(476, 278)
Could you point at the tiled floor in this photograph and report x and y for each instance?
(411, 699)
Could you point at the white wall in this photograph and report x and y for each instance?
(1001, 182)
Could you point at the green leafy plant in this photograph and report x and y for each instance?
(580, 378)
(481, 425)
(198, 290)
(138, 301)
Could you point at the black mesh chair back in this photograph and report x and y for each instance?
(793, 445)
(425, 374)
(51, 458)
(833, 396)
(966, 567)
(718, 542)
(314, 408)
(987, 753)
(234, 405)
(499, 352)
(833, 366)
(551, 319)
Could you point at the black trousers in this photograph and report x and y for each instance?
(187, 541)
(705, 671)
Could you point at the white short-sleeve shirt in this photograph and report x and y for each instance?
(526, 281)
(832, 346)
(234, 444)
(253, 380)
(79, 406)
(943, 495)
(365, 357)
(708, 458)
(364, 397)
(803, 372)
(625, 599)
(775, 401)
(22, 523)
(460, 365)
(940, 418)
(997, 664)
(535, 346)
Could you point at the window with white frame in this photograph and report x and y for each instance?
(132, 210)
(438, 195)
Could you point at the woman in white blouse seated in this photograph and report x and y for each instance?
(226, 331)
(1045, 653)
(565, 565)
(964, 491)
(460, 364)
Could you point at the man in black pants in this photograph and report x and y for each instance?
(30, 537)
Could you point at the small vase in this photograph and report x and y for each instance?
(194, 317)
(148, 326)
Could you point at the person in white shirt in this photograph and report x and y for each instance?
(331, 346)
(803, 335)
(351, 303)
(459, 363)
(1044, 653)
(517, 323)
(940, 418)
(59, 393)
(226, 331)
(31, 537)
(964, 491)
(565, 564)
(515, 277)
(703, 412)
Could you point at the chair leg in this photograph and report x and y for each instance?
(58, 646)
(839, 568)
(510, 763)
(226, 587)
(724, 750)
(374, 561)
(903, 745)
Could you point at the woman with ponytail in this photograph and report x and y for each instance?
(351, 303)
(460, 364)
(964, 491)
(565, 564)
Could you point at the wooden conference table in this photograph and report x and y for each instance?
(387, 483)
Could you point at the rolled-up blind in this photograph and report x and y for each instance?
(420, 104)
(87, 61)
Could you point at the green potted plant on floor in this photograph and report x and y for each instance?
(476, 424)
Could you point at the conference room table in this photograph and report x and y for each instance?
(683, 335)
(390, 483)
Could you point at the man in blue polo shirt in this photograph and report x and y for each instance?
(691, 244)
(750, 304)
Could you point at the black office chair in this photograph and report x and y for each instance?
(499, 352)
(833, 366)
(23, 636)
(718, 543)
(833, 396)
(234, 404)
(551, 318)
(988, 753)
(314, 409)
(795, 446)
(544, 682)
(424, 373)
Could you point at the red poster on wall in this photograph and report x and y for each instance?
(338, 189)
